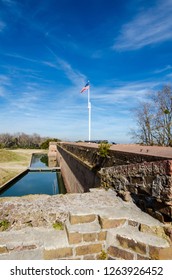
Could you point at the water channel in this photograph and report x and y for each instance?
(38, 180)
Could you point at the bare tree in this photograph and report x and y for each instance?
(154, 119)
(144, 118)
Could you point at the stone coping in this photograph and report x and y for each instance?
(43, 210)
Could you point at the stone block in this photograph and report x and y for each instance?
(111, 223)
(58, 253)
(89, 257)
(74, 237)
(132, 244)
(102, 235)
(141, 257)
(160, 253)
(133, 223)
(168, 232)
(119, 253)
(167, 211)
(24, 247)
(88, 249)
(80, 219)
(89, 237)
(156, 230)
(3, 249)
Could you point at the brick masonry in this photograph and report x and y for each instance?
(78, 176)
(146, 179)
(152, 178)
(149, 183)
(88, 244)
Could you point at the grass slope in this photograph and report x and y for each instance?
(8, 156)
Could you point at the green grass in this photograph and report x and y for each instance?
(58, 225)
(6, 175)
(10, 156)
(4, 225)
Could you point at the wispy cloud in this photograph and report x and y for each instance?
(18, 56)
(151, 26)
(73, 75)
(1, 91)
(124, 92)
(2, 25)
(9, 2)
(4, 80)
(168, 67)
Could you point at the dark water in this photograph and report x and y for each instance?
(39, 160)
(35, 182)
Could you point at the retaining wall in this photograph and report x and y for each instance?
(149, 183)
(114, 158)
(147, 178)
(77, 175)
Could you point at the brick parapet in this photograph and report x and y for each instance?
(148, 178)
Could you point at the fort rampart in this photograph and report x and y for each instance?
(146, 179)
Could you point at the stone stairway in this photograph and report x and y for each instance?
(88, 236)
(129, 243)
(105, 227)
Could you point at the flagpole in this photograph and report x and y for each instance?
(89, 116)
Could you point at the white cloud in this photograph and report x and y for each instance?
(149, 27)
(121, 94)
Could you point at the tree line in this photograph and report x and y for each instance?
(25, 141)
(154, 119)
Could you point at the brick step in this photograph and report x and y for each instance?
(81, 218)
(85, 232)
(129, 243)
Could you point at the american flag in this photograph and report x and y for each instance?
(85, 87)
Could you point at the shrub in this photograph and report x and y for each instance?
(104, 149)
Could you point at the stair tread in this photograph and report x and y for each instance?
(84, 227)
(130, 232)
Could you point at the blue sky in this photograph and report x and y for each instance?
(50, 49)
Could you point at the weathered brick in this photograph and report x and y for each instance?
(131, 244)
(23, 248)
(79, 219)
(160, 253)
(167, 211)
(89, 237)
(89, 257)
(111, 223)
(141, 257)
(74, 237)
(3, 250)
(119, 253)
(57, 253)
(88, 249)
(102, 235)
(133, 223)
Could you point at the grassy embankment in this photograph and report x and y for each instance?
(13, 162)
